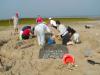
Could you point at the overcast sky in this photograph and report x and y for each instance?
(47, 8)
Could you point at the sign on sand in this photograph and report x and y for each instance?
(53, 51)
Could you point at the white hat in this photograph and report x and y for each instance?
(50, 18)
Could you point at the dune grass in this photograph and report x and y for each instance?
(32, 21)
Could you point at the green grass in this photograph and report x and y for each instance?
(4, 23)
(73, 19)
(32, 20)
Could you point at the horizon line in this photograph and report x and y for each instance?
(96, 17)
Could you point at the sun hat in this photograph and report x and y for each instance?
(50, 18)
(39, 20)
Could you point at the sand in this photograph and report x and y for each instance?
(25, 60)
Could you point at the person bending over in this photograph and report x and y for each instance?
(39, 31)
(63, 33)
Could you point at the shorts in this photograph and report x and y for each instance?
(65, 39)
(24, 37)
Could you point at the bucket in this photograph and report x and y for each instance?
(68, 58)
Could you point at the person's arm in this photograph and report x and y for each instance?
(47, 28)
(35, 32)
(60, 30)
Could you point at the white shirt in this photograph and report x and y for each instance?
(52, 22)
(62, 29)
(15, 21)
(40, 28)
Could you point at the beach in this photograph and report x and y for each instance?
(25, 60)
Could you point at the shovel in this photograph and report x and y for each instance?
(92, 62)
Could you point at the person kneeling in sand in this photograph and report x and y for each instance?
(75, 35)
(63, 33)
(25, 32)
(76, 38)
(24, 35)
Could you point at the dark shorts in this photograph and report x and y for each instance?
(65, 39)
(25, 37)
(70, 30)
(54, 27)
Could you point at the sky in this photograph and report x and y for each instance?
(49, 8)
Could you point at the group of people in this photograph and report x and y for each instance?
(67, 34)
(39, 31)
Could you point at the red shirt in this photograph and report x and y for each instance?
(17, 15)
(26, 32)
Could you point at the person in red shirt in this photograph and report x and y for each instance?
(26, 34)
